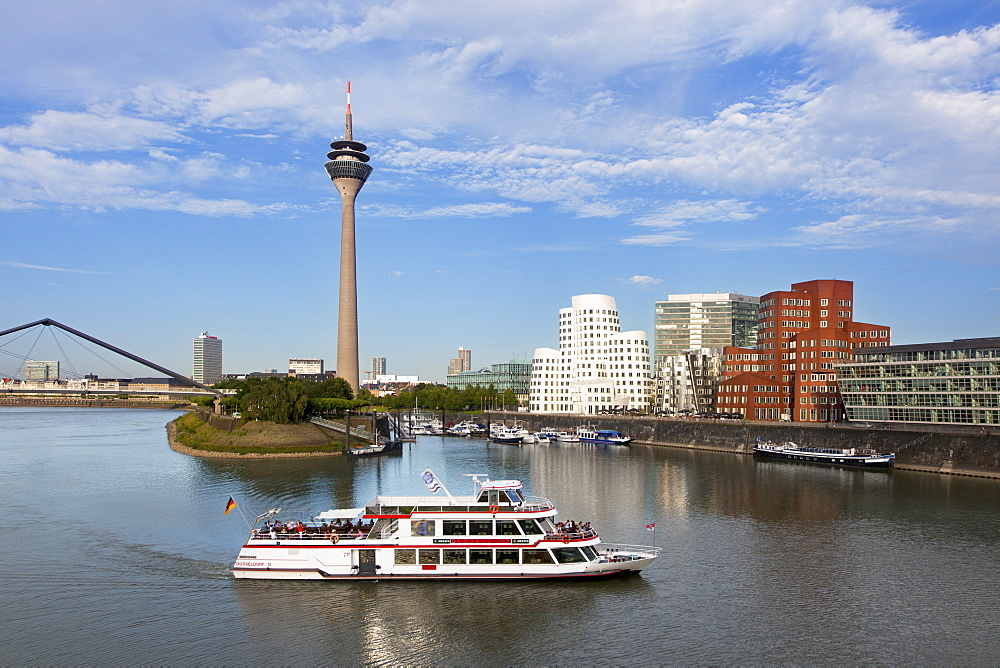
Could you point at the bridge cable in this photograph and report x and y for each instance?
(69, 362)
(123, 372)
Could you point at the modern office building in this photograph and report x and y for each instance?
(378, 366)
(953, 383)
(514, 375)
(348, 169)
(207, 359)
(597, 367)
(305, 366)
(687, 381)
(802, 334)
(38, 370)
(461, 363)
(697, 321)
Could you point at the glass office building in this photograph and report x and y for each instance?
(695, 321)
(955, 383)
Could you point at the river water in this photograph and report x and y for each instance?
(116, 552)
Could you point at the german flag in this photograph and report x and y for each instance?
(230, 505)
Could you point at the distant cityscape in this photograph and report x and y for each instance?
(791, 355)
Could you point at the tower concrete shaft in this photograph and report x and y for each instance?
(348, 170)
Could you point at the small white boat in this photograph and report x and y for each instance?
(541, 437)
(496, 533)
(566, 437)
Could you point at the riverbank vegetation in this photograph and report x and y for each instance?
(253, 438)
(292, 400)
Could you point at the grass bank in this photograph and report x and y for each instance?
(190, 435)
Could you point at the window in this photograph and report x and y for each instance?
(453, 528)
(430, 556)
(480, 527)
(406, 556)
(536, 557)
(454, 556)
(507, 528)
(480, 556)
(568, 555)
(508, 556)
(529, 527)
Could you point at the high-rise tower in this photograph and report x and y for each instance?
(348, 170)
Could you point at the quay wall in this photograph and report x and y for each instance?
(969, 453)
(79, 402)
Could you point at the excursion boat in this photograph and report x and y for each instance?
(496, 533)
(836, 456)
(603, 436)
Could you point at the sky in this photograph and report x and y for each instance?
(161, 168)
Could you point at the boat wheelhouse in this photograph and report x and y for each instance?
(497, 533)
(834, 456)
(603, 436)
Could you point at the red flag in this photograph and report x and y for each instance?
(230, 505)
(649, 527)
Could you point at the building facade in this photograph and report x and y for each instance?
(305, 366)
(954, 383)
(596, 368)
(38, 370)
(688, 381)
(802, 335)
(695, 321)
(461, 363)
(207, 362)
(378, 366)
(514, 375)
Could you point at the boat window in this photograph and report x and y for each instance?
(484, 497)
(568, 555)
(515, 496)
(430, 556)
(530, 527)
(454, 556)
(507, 528)
(406, 556)
(480, 527)
(494, 497)
(453, 528)
(422, 528)
(536, 557)
(480, 556)
(590, 552)
(508, 557)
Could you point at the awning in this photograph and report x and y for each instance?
(341, 514)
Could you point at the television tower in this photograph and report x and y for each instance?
(349, 170)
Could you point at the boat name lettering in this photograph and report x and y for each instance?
(442, 541)
(250, 564)
(520, 541)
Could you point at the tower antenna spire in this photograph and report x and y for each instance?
(348, 125)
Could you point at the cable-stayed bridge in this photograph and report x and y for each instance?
(21, 372)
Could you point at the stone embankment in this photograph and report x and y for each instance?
(971, 453)
(82, 402)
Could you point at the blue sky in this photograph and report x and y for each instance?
(161, 167)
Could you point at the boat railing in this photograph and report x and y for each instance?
(626, 552)
(533, 504)
(571, 535)
(323, 534)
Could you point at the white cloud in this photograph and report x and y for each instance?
(476, 210)
(642, 281)
(87, 131)
(21, 265)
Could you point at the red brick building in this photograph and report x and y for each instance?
(801, 334)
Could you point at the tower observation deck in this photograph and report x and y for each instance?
(348, 169)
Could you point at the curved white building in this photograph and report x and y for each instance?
(597, 366)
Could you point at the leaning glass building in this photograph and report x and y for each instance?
(954, 383)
